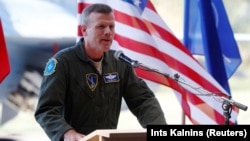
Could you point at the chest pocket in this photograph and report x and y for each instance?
(111, 85)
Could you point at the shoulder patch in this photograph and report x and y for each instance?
(50, 67)
(92, 80)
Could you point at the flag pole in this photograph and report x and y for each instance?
(183, 118)
(185, 38)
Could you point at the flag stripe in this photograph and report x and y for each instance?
(130, 21)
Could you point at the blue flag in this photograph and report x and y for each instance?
(207, 32)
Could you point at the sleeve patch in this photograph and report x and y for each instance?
(50, 67)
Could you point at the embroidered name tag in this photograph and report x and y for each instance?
(111, 77)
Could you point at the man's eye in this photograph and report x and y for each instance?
(111, 27)
(102, 26)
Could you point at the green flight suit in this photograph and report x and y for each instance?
(75, 95)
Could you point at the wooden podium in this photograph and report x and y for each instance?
(116, 135)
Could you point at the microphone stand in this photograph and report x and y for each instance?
(227, 103)
(227, 108)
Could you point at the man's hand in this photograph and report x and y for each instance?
(72, 135)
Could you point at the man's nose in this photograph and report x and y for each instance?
(107, 31)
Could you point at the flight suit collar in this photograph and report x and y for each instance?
(81, 53)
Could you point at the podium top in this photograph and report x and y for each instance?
(106, 133)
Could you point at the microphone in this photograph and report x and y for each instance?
(120, 56)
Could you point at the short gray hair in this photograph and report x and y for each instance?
(98, 8)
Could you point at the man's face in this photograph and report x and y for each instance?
(99, 31)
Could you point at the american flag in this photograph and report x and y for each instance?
(4, 59)
(144, 36)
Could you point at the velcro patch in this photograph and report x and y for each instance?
(111, 77)
(50, 67)
(92, 80)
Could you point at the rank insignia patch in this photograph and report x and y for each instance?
(50, 67)
(92, 80)
(111, 77)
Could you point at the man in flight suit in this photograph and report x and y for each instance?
(83, 85)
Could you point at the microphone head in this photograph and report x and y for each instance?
(117, 54)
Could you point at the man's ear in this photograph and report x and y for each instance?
(83, 30)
